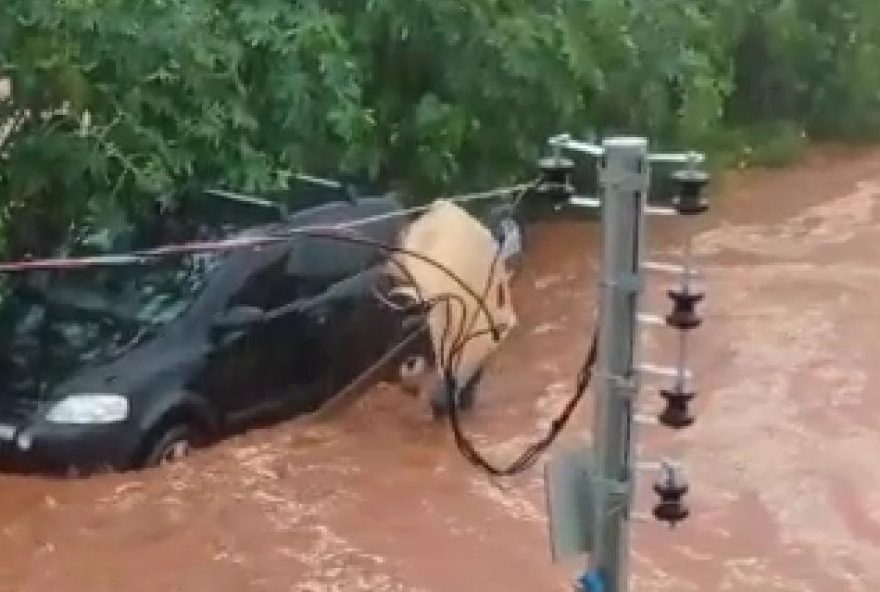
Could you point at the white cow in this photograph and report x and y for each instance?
(447, 234)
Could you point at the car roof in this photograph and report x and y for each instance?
(319, 255)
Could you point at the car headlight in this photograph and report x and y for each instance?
(89, 409)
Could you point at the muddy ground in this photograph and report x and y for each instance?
(784, 459)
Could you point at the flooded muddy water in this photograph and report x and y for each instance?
(783, 459)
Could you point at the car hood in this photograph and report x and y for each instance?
(42, 350)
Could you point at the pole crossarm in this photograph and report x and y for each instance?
(566, 142)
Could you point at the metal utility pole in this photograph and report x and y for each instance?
(590, 492)
(624, 179)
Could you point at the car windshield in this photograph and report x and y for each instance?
(54, 322)
(153, 293)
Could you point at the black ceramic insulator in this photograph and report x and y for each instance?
(671, 512)
(689, 200)
(556, 178)
(684, 312)
(677, 413)
(671, 508)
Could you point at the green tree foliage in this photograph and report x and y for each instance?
(114, 100)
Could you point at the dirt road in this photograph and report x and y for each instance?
(783, 460)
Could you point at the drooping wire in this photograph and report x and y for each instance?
(533, 451)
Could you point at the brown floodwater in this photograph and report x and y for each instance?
(783, 460)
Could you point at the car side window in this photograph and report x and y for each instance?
(307, 268)
(318, 262)
(268, 288)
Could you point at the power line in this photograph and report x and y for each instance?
(145, 255)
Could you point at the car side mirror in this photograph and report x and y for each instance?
(237, 318)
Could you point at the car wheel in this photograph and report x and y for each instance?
(173, 445)
(412, 371)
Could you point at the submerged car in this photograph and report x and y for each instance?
(126, 366)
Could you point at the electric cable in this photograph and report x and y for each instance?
(533, 451)
(516, 192)
(448, 365)
(143, 256)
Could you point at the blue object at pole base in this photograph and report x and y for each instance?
(592, 581)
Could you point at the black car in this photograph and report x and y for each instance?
(129, 366)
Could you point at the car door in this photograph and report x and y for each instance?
(300, 335)
(281, 362)
(361, 328)
(234, 377)
(320, 317)
(349, 300)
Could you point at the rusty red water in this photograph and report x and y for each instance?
(783, 460)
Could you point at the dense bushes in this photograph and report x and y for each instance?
(115, 99)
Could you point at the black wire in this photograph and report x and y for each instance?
(441, 349)
(488, 286)
(455, 357)
(448, 364)
(533, 451)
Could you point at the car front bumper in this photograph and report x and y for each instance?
(67, 449)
